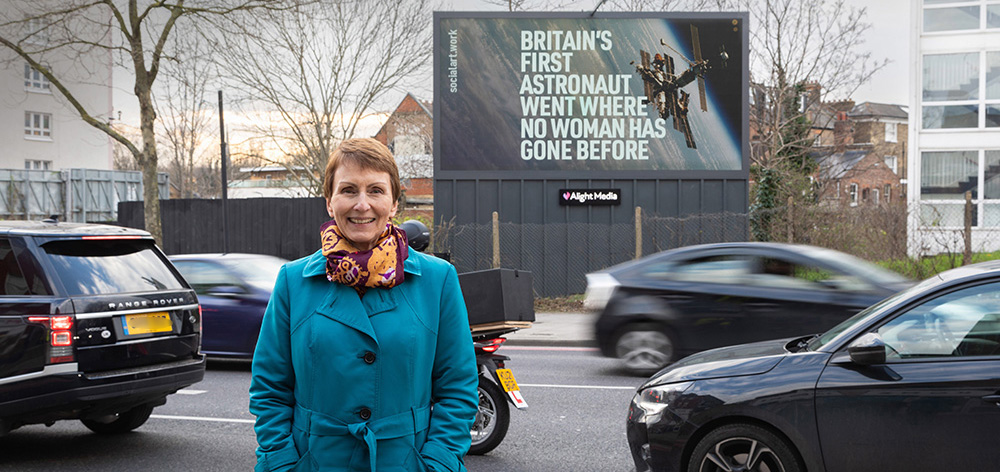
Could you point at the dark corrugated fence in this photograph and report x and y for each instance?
(283, 227)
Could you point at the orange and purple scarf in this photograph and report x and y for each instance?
(382, 266)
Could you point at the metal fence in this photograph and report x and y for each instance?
(78, 195)
(559, 255)
(283, 227)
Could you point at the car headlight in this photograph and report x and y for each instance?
(649, 404)
(600, 285)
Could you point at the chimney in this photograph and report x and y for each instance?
(843, 132)
(811, 92)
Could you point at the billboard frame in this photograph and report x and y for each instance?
(741, 174)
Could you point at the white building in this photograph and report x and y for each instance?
(268, 182)
(954, 124)
(38, 127)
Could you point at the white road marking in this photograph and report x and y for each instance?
(589, 387)
(202, 418)
(190, 392)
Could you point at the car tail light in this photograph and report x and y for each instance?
(491, 345)
(60, 335)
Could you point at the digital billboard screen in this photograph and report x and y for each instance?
(550, 92)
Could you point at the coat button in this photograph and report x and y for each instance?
(365, 413)
(369, 357)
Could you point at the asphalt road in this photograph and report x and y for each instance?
(575, 422)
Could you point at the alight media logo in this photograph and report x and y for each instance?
(590, 197)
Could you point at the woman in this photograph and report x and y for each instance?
(361, 338)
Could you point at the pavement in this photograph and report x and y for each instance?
(557, 329)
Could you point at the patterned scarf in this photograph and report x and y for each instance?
(382, 266)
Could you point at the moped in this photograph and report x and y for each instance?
(497, 385)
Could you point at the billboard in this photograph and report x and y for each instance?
(612, 96)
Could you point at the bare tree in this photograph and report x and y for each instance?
(136, 33)
(326, 68)
(186, 128)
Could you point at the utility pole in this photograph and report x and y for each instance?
(225, 180)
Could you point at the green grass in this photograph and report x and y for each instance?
(919, 269)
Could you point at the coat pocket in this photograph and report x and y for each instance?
(415, 462)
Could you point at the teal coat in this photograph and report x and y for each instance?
(346, 383)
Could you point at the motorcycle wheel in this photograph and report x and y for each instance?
(492, 419)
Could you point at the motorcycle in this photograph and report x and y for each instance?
(497, 385)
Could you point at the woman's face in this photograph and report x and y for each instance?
(361, 203)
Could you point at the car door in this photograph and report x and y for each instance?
(706, 294)
(791, 295)
(934, 404)
(224, 309)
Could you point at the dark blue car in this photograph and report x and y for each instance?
(911, 383)
(233, 290)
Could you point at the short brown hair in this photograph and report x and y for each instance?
(366, 153)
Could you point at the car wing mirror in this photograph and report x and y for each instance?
(868, 349)
(227, 291)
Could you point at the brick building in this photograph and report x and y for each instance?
(409, 134)
(863, 156)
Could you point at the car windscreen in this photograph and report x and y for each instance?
(94, 267)
(823, 339)
(260, 272)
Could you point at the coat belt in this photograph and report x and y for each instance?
(405, 423)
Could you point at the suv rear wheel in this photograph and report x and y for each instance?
(122, 422)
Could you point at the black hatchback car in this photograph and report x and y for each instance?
(95, 325)
(686, 300)
(911, 383)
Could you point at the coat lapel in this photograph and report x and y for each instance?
(342, 303)
(343, 306)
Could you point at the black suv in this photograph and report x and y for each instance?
(95, 325)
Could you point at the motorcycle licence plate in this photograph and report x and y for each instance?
(509, 385)
(507, 380)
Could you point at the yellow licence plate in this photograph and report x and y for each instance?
(507, 380)
(147, 323)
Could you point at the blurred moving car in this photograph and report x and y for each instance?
(911, 383)
(660, 308)
(233, 290)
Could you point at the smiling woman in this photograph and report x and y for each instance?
(342, 331)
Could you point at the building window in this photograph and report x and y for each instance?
(946, 176)
(892, 163)
(31, 164)
(890, 132)
(37, 125)
(36, 31)
(34, 81)
(852, 190)
(960, 15)
(993, 16)
(875, 196)
(864, 195)
(951, 18)
(888, 193)
(957, 93)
